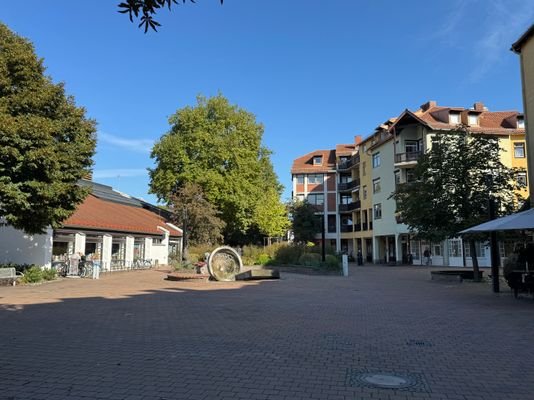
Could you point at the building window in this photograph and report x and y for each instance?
(317, 160)
(410, 175)
(519, 150)
(316, 199)
(411, 146)
(376, 185)
(397, 177)
(480, 248)
(377, 211)
(315, 178)
(376, 160)
(520, 123)
(472, 119)
(345, 199)
(300, 179)
(364, 189)
(454, 118)
(331, 224)
(522, 178)
(345, 178)
(364, 172)
(436, 250)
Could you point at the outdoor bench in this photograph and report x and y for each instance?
(10, 274)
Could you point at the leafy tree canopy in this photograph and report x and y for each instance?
(46, 142)
(218, 146)
(305, 222)
(147, 9)
(453, 183)
(196, 216)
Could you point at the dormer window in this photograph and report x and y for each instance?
(520, 123)
(454, 118)
(317, 160)
(472, 119)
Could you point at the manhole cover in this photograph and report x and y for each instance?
(396, 380)
(387, 380)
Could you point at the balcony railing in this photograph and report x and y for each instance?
(350, 206)
(357, 227)
(412, 156)
(346, 228)
(355, 159)
(345, 186)
(364, 226)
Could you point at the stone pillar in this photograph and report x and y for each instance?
(79, 243)
(128, 251)
(148, 248)
(398, 248)
(376, 250)
(106, 252)
(165, 242)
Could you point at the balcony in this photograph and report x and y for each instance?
(364, 226)
(346, 228)
(346, 165)
(357, 227)
(350, 206)
(407, 159)
(348, 186)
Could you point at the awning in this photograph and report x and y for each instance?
(519, 221)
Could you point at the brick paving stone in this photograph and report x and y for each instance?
(137, 336)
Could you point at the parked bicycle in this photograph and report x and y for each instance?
(85, 269)
(141, 264)
(61, 268)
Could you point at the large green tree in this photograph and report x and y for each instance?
(453, 184)
(46, 142)
(218, 146)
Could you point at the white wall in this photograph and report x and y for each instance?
(20, 248)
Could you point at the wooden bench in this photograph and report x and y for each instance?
(10, 274)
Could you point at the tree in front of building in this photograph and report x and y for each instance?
(218, 146)
(452, 186)
(305, 223)
(197, 217)
(46, 142)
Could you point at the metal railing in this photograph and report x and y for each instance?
(408, 157)
(348, 185)
(348, 164)
(354, 205)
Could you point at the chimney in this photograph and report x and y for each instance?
(479, 106)
(357, 139)
(428, 105)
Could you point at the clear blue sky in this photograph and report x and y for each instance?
(314, 72)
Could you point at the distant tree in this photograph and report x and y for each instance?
(271, 214)
(218, 146)
(147, 9)
(196, 216)
(46, 142)
(452, 187)
(305, 223)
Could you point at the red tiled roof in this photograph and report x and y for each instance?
(95, 213)
(305, 165)
(345, 149)
(495, 122)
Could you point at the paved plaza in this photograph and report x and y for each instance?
(137, 336)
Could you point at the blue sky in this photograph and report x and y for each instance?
(314, 72)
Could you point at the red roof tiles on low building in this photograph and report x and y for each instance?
(95, 213)
(305, 164)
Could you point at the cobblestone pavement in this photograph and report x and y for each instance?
(136, 336)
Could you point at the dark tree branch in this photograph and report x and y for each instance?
(147, 9)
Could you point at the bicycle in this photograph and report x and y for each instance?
(85, 269)
(61, 268)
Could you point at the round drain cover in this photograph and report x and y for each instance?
(386, 380)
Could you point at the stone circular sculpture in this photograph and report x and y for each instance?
(224, 263)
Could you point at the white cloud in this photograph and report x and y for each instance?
(505, 22)
(136, 145)
(119, 173)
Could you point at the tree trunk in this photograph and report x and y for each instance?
(476, 270)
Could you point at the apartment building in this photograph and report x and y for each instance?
(363, 175)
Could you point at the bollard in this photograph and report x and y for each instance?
(345, 263)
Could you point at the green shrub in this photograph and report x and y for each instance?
(310, 260)
(288, 254)
(201, 249)
(331, 263)
(49, 274)
(33, 274)
(247, 260)
(263, 259)
(194, 257)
